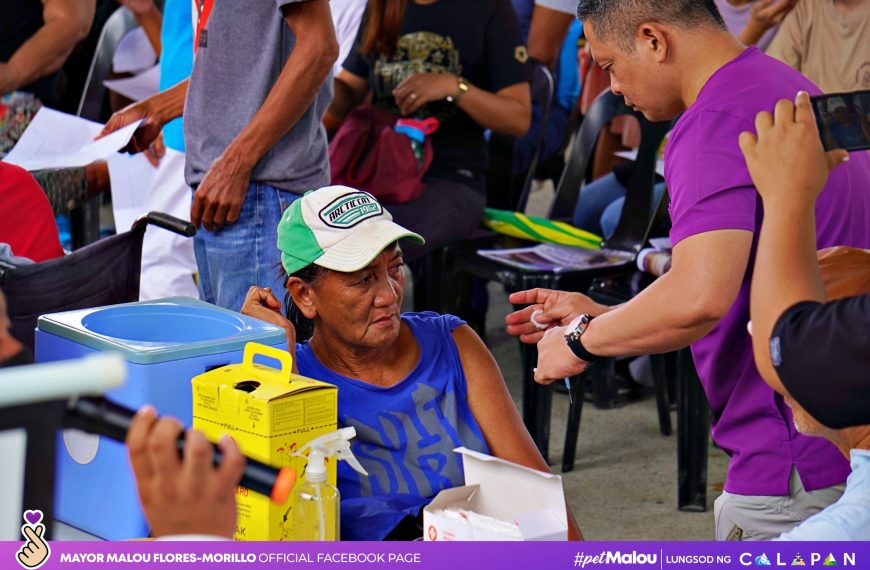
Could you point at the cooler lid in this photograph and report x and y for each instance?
(155, 331)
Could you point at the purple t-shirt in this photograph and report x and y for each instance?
(711, 189)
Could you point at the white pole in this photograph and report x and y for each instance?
(88, 376)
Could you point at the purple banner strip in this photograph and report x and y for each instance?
(441, 555)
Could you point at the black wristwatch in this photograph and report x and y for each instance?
(573, 332)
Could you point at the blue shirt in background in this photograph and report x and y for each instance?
(176, 59)
(568, 88)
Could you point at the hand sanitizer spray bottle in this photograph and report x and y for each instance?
(315, 500)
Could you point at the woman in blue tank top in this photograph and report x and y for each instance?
(415, 386)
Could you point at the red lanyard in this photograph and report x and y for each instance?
(203, 11)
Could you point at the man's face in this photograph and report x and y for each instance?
(639, 77)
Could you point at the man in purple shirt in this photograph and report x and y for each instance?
(668, 57)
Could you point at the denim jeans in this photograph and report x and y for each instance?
(613, 211)
(239, 255)
(556, 127)
(600, 205)
(593, 200)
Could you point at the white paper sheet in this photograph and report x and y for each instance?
(137, 87)
(132, 177)
(58, 140)
(134, 53)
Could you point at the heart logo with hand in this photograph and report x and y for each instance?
(35, 550)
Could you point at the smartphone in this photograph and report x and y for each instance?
(843, 120)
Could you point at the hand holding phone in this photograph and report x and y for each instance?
(843, 120)
(785, 156)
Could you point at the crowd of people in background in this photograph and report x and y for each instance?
(239, 133)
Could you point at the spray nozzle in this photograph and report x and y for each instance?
(336, 443)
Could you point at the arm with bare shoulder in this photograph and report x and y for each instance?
(65, 24)
(495, 411)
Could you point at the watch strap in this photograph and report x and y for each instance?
(574, 335)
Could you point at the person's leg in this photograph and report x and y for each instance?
(745, 517)
(203, 271)
(447, 211)
(554, 134)
(524, 147)
(610, 215)
(593, 200)
(269, 270)
(608, 144)
(245, 253)
(168, 263)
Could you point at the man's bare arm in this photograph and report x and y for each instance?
(305, 71)
(547, 33)
(683, 305)
(220, 196)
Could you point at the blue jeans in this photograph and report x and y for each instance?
(556, 126)
(611, 214)
(600, 205)
(239, 255)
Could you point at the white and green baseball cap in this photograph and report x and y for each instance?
(338, 228)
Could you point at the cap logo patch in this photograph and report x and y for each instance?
(349, 210)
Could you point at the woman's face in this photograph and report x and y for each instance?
(362, 308)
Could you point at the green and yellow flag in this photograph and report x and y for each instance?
(539, 229)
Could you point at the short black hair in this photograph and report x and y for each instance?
(617, 20)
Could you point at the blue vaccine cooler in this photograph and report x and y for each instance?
(166, 342)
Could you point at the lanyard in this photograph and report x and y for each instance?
(202, 14)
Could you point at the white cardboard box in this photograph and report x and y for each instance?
(533, 500)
